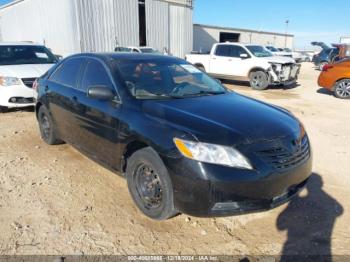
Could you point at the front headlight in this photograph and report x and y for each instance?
(9, 81)
(210, 153)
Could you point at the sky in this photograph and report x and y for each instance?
(310, 20)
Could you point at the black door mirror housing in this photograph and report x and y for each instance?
(100, 93)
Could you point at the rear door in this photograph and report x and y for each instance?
(97, 121)
(220, 61)
(227, 61)
(61, 89)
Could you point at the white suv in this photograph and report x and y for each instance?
(20, 65)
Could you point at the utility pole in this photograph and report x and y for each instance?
(285, 41)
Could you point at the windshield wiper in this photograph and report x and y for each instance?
(158, 96)
(206, 93)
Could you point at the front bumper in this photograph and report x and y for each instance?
(287, 75)
(16, 96)
(207, 190)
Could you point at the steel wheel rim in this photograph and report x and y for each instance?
(148, 186)
(343, 89)
(45, 126)
(257, 79)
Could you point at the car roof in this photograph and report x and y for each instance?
(19, 44)
(127, 56)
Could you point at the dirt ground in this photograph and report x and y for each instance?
(53, 200)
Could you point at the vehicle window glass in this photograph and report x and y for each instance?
(259, 51)
(165, 79)
(95, 75)
(26, 54)
(135, 51)
(236, 51)
(222, 50)
(67, 74)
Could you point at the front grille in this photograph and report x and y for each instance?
(28, 82)
(282, 158)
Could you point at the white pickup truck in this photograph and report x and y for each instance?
(253, 63)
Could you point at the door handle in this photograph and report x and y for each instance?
(214, 58)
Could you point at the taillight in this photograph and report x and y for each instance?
(36, 85)
(325, 68)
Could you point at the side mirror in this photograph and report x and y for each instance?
(100, 93)
(244, 56)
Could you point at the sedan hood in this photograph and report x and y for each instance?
(24, 71)
(224, 119)
(279, 59)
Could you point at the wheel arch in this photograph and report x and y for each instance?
(256, 69)
(200, 65)
(130, 149)
(37, 107)
(336, 82)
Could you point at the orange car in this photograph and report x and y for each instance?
(336, 77)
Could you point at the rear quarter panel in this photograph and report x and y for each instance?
(328, 79)
(203, 60)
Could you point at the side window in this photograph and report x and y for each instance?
(135, 50)
(95, 75)
(67, 74)
(222, 50)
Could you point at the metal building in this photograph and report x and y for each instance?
(71, 26)
(206, 35)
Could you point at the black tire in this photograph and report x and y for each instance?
(3, 109)
(200, 67)
(258, 80)
(150, 185)
(47, 128)
(342, 89)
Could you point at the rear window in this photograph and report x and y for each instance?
(19, 55)
(67, 73)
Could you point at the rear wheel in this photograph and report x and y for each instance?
(46, 126)
(342, 89)
(3, 109)
(258, 80)
(150, 185)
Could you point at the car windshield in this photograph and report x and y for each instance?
(166, 79)
(259, 51)
(19, 55)
(272, 49)
(149, 51)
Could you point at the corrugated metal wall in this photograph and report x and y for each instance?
(71, 26)
(103, 23)
(181, 30)
(157, 24)
(51, 21)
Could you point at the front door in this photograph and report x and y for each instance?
(97, 121)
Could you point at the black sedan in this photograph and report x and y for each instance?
(182, 140)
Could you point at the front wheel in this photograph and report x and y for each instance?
(150, 185)
(342, 89)
(46, 126)
(258, 80)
